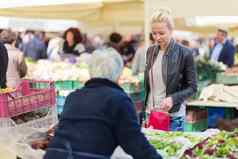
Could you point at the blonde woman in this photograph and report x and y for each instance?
(170, 74)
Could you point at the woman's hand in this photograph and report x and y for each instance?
(166, 104)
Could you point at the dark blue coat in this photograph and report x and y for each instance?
(98, 118)
(227, 54)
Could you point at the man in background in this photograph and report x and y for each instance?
(223, 50)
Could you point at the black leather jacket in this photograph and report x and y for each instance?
(178, 70)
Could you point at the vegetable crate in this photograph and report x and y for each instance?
(68, 85)
(61, 85)
(215, 113)
(196, 114)
(196, 119)
(227, 79)
(195, 126)
(26, 99)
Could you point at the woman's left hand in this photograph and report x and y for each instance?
(166, 104)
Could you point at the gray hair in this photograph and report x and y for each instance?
(8, 36)
(106, 63)
(163, 15)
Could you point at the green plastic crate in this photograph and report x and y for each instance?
(77, 84)
(227, 79)
(197, 126)
(64, 85)
(229, 113)
(40, 85)
(68, 85)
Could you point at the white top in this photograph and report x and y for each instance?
(157, 86)
(216, 52)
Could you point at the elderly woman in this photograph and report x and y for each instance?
(99, 117)
(170, 74)
(16, 65)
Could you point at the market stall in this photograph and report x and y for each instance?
(171, 145)
(75, 74)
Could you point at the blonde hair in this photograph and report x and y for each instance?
(163, 15)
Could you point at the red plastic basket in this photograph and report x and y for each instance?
(26, 99)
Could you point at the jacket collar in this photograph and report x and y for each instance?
(97, 82)
(169, 48)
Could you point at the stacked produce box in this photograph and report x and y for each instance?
(196, 119)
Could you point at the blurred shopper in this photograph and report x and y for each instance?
(138, 64)
(99, 117)
(16, 66)
(185, 43)
(97, 42)
(73, 42)
(34, 46)
(128, 50)
(4, 65)
(55, 48)
(170, 74)
(115, 40)
(193, 45)
(223, 50)
(18, 41)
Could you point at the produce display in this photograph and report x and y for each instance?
(221, 146)
(207, 69)
(171, 145)
(130, 83)
(57, 71)
(126, 76)
(63, 71)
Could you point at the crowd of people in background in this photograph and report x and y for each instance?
(41, 45)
